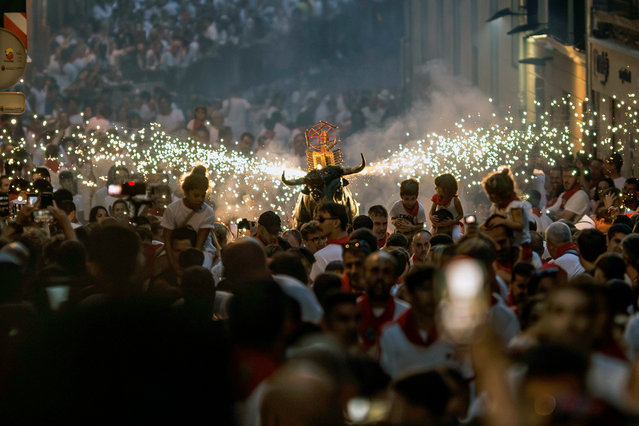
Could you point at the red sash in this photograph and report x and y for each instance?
(340, 241)
(371, 325)
(566, 195)
(440, 201)
(412, 211)
(505, 204)
(381, 243)
(408, 324)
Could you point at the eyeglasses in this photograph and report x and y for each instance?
(323, 219)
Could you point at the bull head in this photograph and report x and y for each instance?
(312, 178)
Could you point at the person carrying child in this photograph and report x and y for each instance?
(500, 188)
(408, 215)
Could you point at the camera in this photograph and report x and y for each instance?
(127, 189)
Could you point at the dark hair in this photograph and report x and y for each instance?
(609, 181)
(401, 260)
(191, 257)
(286, 263)
(619, 228)
(534, 197)
(426, 390)
(198, 286)
(418, 275)
(378, 210)
(441, 239)
(523, 269)
(42, 171)
(630, 246)
(62, 195)
(409, 187)
(94, 213)
(615, 159)
(448, 183)
(591, 243)
(573, 170)
(335, 266)
(41, 185)
(397, 240)
(120, 201)
(303, 253)
(443, 214)
(622, 219)
(333, 299)
(184, 233)
(500, 185)
(324, 284)
(362, 221)
(196, 180)
(336, 210)
(308, 228)
(115, 250)
(365, 235)
(66, 174)
(68, 206)
(612, 265)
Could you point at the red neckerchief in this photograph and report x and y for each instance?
(415, 260)
(504, 204)
(567, 194)
(567, 248)
(370, 326)
(346, 284)
(52, 165)
(381, 243)
(505, 266)
(536, 211)
(413, 210)
(340, 241)
(440, 201)
(408, 324)
(251, 367)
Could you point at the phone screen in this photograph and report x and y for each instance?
(46, 200)
(33, 199)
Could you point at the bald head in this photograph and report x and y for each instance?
(244, 260)
(302, 393)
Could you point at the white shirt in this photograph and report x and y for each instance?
(398, 211)
(171, 122)
(400, 357)
(236, 113)
(570, 263)
(177, 212)
(311, 309)
(323, 257)
(579, 204)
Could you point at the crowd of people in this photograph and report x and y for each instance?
(518, 306)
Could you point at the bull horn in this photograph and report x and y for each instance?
(355, 169)
(293, 182)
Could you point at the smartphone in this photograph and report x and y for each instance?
(470, 219)
(465, 299)
(46, 200)
(42, 216)
(32, 200)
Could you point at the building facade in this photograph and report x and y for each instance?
(526, 53)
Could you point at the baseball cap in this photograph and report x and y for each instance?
(271, 221)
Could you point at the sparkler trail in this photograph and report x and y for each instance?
(244, 187)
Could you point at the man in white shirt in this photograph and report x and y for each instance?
(574, 202)
(564, 252)
(333, 220)
(171, 119)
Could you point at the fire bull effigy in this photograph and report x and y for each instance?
(324, 181)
